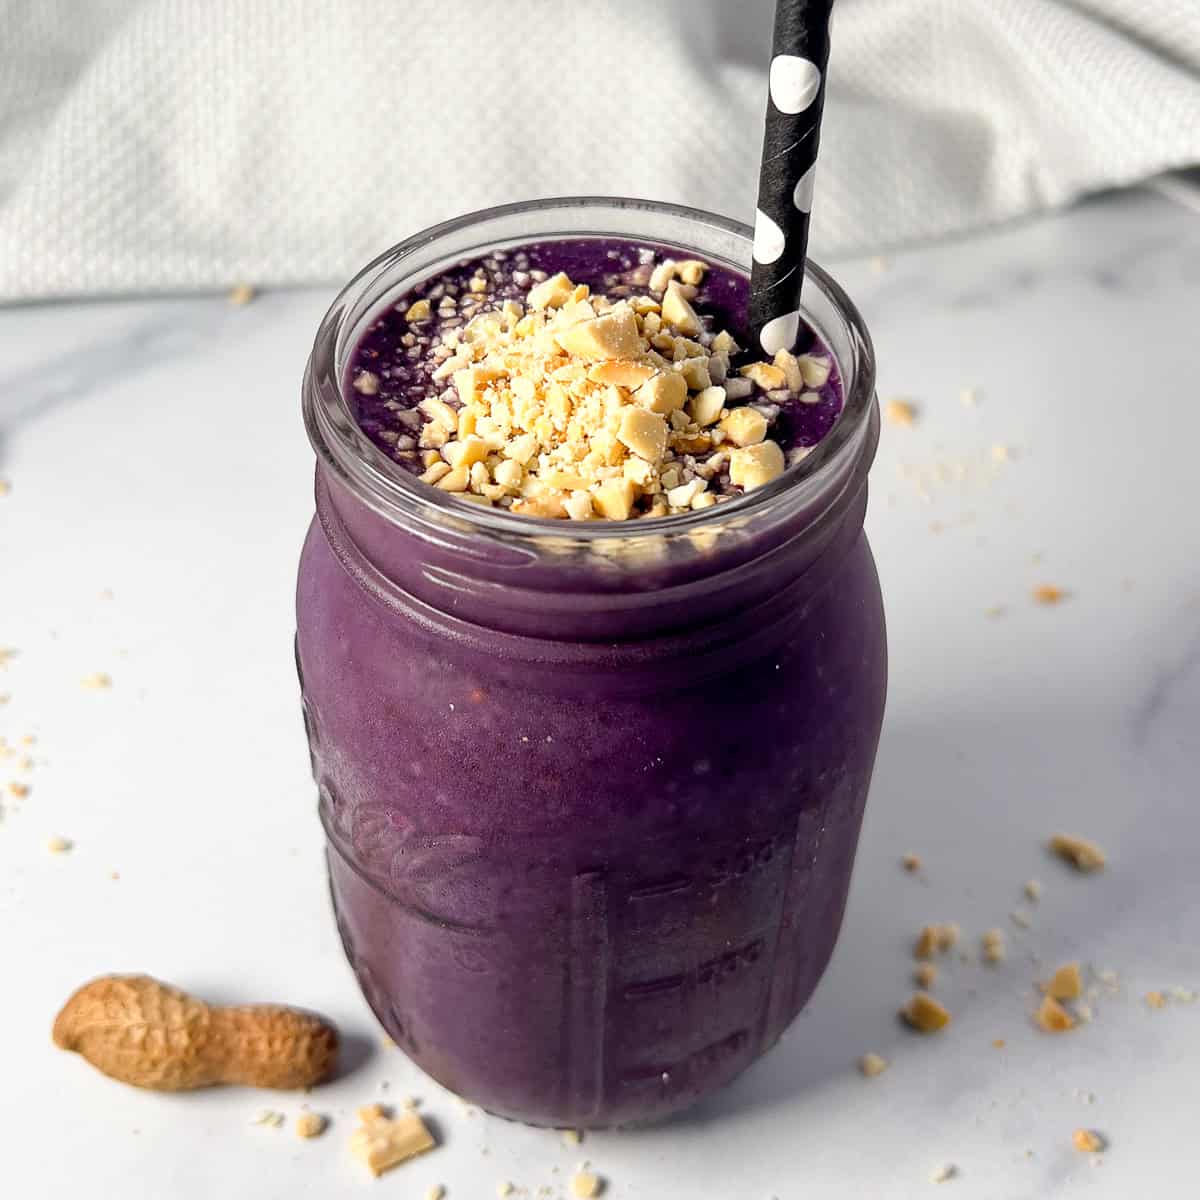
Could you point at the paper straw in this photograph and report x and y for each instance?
(799, 57)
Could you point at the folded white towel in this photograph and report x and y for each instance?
(170, 144)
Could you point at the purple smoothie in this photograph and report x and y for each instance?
(591, 815)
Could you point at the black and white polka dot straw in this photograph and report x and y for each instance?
(799, 56)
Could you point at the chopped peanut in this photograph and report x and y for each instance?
(586, 1185)
(925, 1014)
(1080, 853)
(1066, 983)
(815, 370)
(1052, 1017)
(644, 432)
(310, 1125)
(678, 312)
(900, 412)
(663, 393)
(766, 376)
(614, 335)
(1087, 1141)
(382, 1144)
(925, 975)
(872, 1064)
(744, 426)
(752, 466)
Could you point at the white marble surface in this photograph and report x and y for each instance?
(155, 448)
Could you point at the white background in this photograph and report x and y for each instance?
(155, 449)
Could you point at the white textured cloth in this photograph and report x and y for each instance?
(180, 144)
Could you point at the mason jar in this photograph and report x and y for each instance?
(592, 790)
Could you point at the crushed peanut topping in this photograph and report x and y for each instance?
(911, 863)
(521, 389)
(925, 1014)
(1156, 1000)
(1079, 852)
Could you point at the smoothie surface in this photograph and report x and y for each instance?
(588, 378)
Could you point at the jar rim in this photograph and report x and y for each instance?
(342, 445)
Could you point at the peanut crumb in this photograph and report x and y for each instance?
(1066, 983)
(97, 682)
(901, 412)
(19, 790)
(1079, 852)
(59, 845)
(925, 975)
(1088, 1141)
(269, 1118)
(436, 1192)
(1051, 1017)
(944, 1173)
(998, 1043)
(382, 1144)
(936, 939)
(925, 1014)
(872, 1064)
(310, 1125)
(504, 1188)
(1033, 890)
(1047, 593)
(1156, 1000)
(994, 948)
(1020, 918)
(241, 294)
(586, 1184)
(911, 863)
(571, 1137)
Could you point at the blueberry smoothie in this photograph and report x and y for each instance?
(591, 651)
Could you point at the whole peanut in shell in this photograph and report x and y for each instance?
(151, 1035)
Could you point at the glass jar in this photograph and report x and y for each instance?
(592, 790)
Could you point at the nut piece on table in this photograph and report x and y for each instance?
(678, 312)
(925, 975)
(382, 1144)
(925, 1014)
(752, 466)
(310, 1125)
(1066, 984)
(1079, 852)
(614, 335)
(994, 948)
(585, 1185)
(872, 1064)
(148, 1034)
(1088, 1141)
(1051, 1017)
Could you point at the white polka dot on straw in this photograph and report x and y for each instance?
(803, 195)
(769, 239)
(780, 334)
(794, 83)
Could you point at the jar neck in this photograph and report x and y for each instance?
(627, 590)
